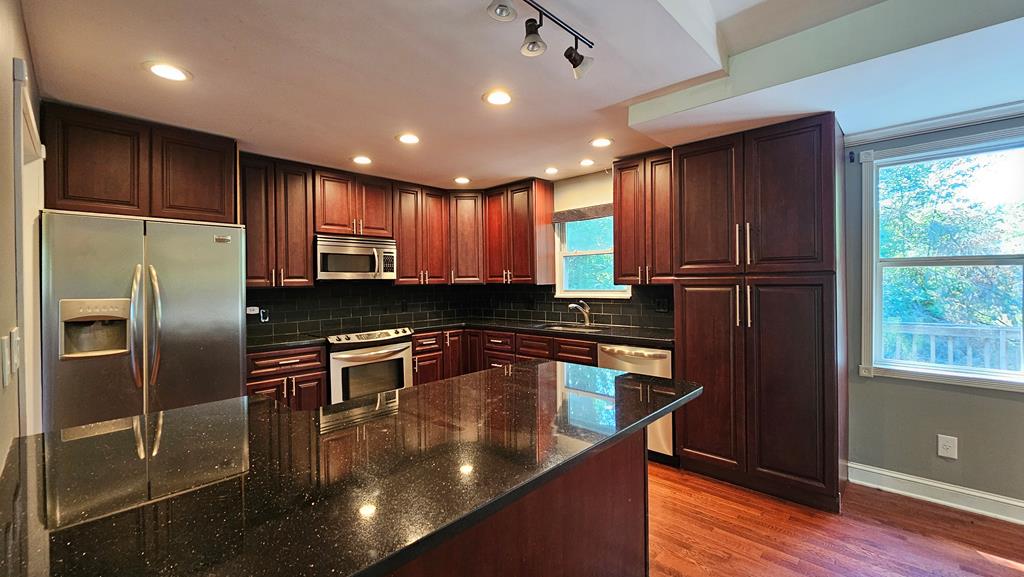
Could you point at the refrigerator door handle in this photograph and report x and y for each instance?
(158, 315)
(133, 332)
(140, 446)
(159, 433)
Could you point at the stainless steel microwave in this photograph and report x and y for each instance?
(351, 258)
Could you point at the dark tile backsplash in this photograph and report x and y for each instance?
(349, 306)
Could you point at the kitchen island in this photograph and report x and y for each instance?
(538, 468)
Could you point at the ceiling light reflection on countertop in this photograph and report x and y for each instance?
(367, 510)
(168, 71)
(466, 469)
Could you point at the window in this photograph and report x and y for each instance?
(944, 286)
(584, 262)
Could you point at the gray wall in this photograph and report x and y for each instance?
(893, 422)
(13, 44)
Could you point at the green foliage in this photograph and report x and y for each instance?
(589, 271)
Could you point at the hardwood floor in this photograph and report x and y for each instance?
(702, 527)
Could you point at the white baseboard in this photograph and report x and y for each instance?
(954, 496)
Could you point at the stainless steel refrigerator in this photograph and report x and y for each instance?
(140, 319)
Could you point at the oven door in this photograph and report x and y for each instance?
(347, 262)
(370, 371)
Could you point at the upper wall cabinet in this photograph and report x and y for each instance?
(466, 231)
(100, 162)
(643, 205)
(760, 201)
(421, 232)
(348, 203)
(519, 236)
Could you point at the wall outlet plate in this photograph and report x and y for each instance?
(947, 446)
(252, 310)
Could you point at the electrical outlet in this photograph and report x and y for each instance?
(252, 310)
(947, 447)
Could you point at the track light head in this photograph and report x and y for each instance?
(533, 45)
(580, 63)
(501, 10)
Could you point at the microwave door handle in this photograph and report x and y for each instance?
(376, 264)
(369, 357)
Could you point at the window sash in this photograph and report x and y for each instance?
(561, 254)
(872, 363)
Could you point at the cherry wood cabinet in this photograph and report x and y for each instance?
(643, 205)
(454, 353)
(296, 377)
(534, 346)
(519, 236)
(428, 368)
(294, 212)
(308, 391)
(574, 351)
(474, 351)
(272, 388)
(710, 330)
(421, 233)
(353, 204)
(495, 359)
(101, 162)
(790, 201)
(277, 209)
(710, 232)
(257, 182)
(466, 228)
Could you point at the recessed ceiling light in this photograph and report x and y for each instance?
(551, 170)
(586, 162)
(461, 180)
(168, 71)
(601, 142)
(362, 160)
(408, 138)
(497, 97)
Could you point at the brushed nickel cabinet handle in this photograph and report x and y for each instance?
(284, 388)
(415, 364)
(648, 274)
(452, 277)
(737, 302)
(748, 242)
(282, 276)
(737, 244)
(293, 387)
(354, 226)
(639, 275)
(496, 341)
(749, 321)
(428, 342)
(447, 339)
(360, 226)
(289, 361)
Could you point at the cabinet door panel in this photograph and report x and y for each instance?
(496, 215)
(307, 392)
(294, 225)
(494, 359)
(789, 196)
(193, 175)
(474, 351)
(660, 209)
(271, 388)
(709, 181)
(466, 222)
(454, 354)
(428, 368)
(259, 217)
(95, 162)
(791, 382)
(407, 233)
(335, 202)
(709, 350)
(376, 213)
(628, 207)
(434, 236)
(521, 240)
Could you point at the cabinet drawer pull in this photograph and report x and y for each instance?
(496, 341)
(428, 342)
(639, 275)
(747, 235)
(289, 361)
(497, 365)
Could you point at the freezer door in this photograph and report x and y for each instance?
(92, 319)
(195, 322)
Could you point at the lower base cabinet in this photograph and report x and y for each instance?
(295, 377)
(772, 415)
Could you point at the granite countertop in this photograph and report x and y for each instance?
(612, 334)
(249, 487)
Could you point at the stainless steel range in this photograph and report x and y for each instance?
(369, 363)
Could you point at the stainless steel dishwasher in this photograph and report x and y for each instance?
(644, 361)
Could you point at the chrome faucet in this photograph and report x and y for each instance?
(584, 309)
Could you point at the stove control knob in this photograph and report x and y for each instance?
(348, 338)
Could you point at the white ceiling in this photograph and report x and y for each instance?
(324, 81)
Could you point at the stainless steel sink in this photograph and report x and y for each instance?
(569, 328)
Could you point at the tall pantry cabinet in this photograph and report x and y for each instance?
(758, 297)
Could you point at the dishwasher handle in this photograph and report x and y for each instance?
(633, 353)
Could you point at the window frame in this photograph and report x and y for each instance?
(873, 265)
(560, 254)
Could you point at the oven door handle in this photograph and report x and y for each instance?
(369, 357)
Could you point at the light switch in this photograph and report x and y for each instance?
(16, 350)
(5, 359)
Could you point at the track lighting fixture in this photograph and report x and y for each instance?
(580, 63)
(533, 45)
(501, 10)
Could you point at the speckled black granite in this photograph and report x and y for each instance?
(636, 336)
(355, 489)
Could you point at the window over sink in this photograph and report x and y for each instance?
(584, 266)
(944, 281)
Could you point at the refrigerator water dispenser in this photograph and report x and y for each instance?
(94, 327)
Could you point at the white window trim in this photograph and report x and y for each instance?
(871, 325)
(559, 273)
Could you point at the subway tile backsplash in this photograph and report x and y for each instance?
(349, 306)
